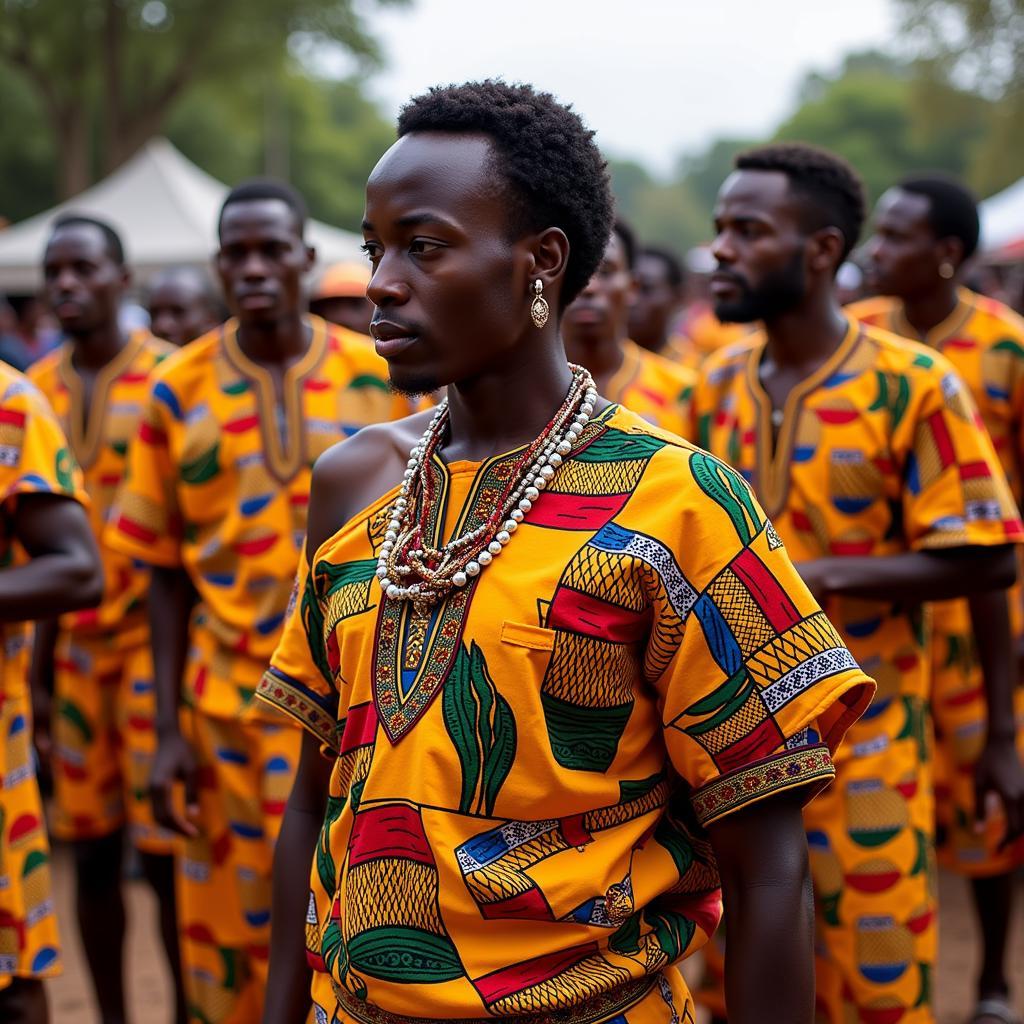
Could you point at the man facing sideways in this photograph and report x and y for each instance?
(48, 564)
(568, 684)
(657, 300)
(97, 663)
(182, 305)
(595, 330)
(926, 228)
(216, 501)
(866, 450)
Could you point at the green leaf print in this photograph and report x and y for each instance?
(332, 577)
(368, 380)
(482, 728)
(673, 931)
(313, 621)
(626, 940)
(74, 715)
(725, 486)
(1009, 345)
(65, 468)
(618, 446)
(202, 469)
(720, 695)
(325, 866)
(728, 709)
(676, 843)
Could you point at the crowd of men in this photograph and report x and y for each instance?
(444, 677)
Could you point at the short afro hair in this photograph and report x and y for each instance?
(952, 208)
(111, 239)
(555, 173)
(832, 187)
(674, 273)
(255, 189)
(627, 236)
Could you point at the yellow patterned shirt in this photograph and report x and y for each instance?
(100, 445)
(34, 459)
(658, 390)
(880, 451)
(219, 486)
(522, 779)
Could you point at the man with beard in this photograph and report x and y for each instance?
(215, 501)
(866, 451)
(595, 328)
(182, 305)
(521, 636)
(658, 299)
(97, 663)
(926, 228)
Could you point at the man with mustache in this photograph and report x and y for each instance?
(595, 330)
(97, 663)
(925, 230)
(866, 451)
(215, 501)
(534, 634)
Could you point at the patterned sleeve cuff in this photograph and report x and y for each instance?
(308, 708)
(806, 766)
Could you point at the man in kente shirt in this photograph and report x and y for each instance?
(595, 328)
(866, 451)
(97, 663)
(568, 684)
(48, 564)
(925, 229)
(215, 500)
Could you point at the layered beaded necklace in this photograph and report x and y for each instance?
(409, 568)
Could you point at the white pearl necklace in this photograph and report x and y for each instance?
(565, 431)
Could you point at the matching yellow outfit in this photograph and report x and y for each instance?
(523, 778)
(878, 452)
(984, 340)
(104, 706)
(34, 459)
(218, 485)
(654, 387)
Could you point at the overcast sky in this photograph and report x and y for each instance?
(653, 77)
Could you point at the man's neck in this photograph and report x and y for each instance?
(280, 341)
(804, 338)
(500, 409)
(926, 311)
(94, 349)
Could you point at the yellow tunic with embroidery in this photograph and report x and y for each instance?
(879, 452)
(217, 486)
(103, 731)
(984, 340)
(653, 387)
(516, 823)
(34, 459)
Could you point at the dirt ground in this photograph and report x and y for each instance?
(148, 987)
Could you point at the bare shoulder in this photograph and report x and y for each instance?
(353, 474)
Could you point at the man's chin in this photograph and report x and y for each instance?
(734, 313)
(413, 386)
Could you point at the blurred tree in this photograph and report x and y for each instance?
(109, 72)
(328, 137)
(705, 171)
(28, 172)
(868, 114)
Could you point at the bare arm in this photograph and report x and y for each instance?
(171, 598)
(913, 576)
(769, 912)
(287, 1000)
(999, 769)
(63, 572)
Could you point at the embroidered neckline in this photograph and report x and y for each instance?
(85, 431)
(284, 456)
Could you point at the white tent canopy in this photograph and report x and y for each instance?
(1002, 219)
(165, 209)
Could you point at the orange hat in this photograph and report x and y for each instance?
(342, 281)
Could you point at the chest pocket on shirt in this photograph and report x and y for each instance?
(522, 634)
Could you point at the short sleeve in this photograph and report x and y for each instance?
(300, 679)
(34, 454)
(147, 522)
(955, 491)
(760, 688)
